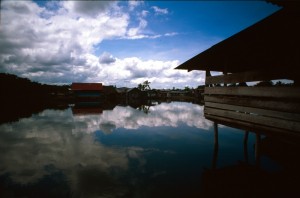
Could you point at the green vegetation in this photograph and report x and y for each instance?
(144, 86)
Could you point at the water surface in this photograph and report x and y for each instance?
(165, 150)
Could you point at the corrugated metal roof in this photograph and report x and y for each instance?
(87, 86)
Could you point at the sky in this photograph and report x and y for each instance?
(120, 43)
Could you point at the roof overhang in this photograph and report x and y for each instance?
(273, 42)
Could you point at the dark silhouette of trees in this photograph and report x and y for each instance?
(20, 97)
(144, 86)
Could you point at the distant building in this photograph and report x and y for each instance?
(110, 92)
(87, 91)
(134, 93)
(152, 93)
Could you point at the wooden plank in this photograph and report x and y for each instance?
(252, 127)
(246, 77)
(262, 112)
(285, 106)
(266, 121)
(272, 92)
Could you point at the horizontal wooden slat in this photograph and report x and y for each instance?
(272, 92)
(285, 106)
(246, 77)
(262, 112)
(266, 121)
(248, 126)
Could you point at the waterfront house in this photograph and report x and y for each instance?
(87, 91)
(151, 93)
(134, 93)
(267, 50)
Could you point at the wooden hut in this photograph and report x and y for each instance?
(267, 50)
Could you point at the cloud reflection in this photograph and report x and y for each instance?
(165, 114)
(67, 143)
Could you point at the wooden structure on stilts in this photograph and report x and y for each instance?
(267, 50)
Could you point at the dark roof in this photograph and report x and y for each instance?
(285, 3)
(86, 86)
(272, 43)
(133, 90)
(109, 89)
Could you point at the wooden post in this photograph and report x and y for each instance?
(216, 146)
(207, 74)
(246, 146)
(225, 73)
(257, 149)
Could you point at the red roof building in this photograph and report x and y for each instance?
(86, 87)
(87, 91)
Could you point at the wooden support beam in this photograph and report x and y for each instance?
(255, 119)
(244, 125)
(271, 104)
(258, 111)
(271, 92)
(247, 77)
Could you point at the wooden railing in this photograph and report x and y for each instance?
(274, 108)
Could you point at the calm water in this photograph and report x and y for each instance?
(166, 150)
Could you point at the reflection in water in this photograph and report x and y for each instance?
(165, 114)
(256, 179)
(123, 152)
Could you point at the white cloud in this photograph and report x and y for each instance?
(106, 58)
(136, 32)
(91, 8)
(144, 13)
(171, 34)
(56, 44)
(133, 4)
(160, 10)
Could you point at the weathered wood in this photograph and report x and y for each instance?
(244, 125)
(272, 92)
(271, 104)
(246, 77)
(261, 120)
(262, 112)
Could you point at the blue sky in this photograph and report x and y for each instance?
(120, 43)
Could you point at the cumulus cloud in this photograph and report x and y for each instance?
(106, 58)
(56, 44)
(39, 47)
(90, 8)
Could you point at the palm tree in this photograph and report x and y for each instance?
(144, 86)
(140, 87)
